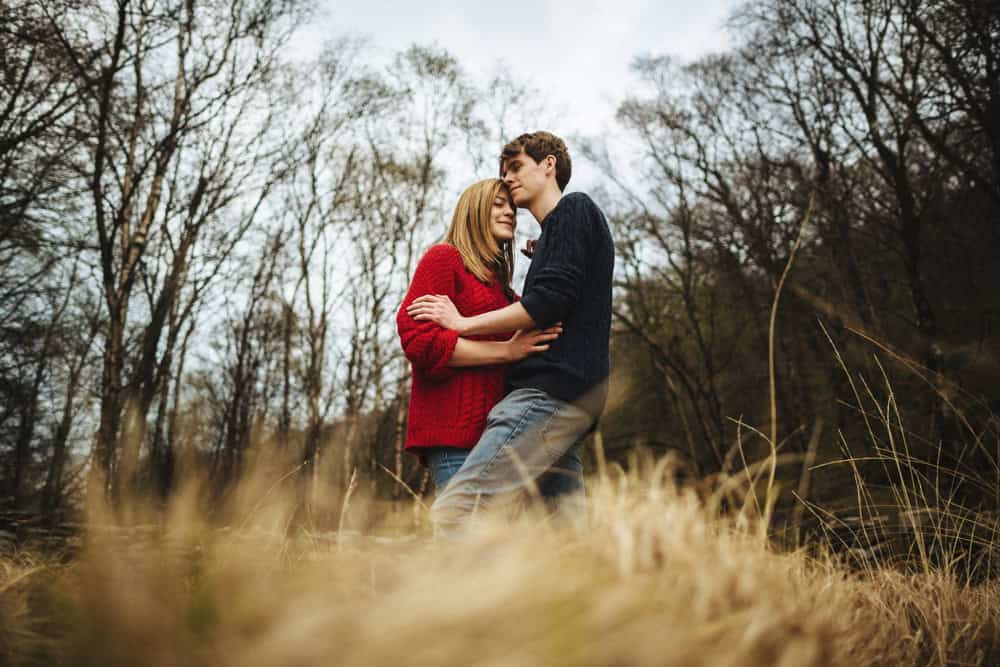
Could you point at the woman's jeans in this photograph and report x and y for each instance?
(443, 463)
(531, 443)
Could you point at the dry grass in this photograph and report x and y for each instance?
(663, 574)
(659, 577)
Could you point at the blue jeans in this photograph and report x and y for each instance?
(531, 443)
(443, 463)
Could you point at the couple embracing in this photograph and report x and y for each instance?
(505, 387)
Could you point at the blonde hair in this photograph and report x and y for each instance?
(470, 234)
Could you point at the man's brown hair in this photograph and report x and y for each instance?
(539, 145)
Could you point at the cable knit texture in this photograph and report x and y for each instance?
(570, 282)
(448, 406)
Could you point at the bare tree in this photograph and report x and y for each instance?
(174, 88)
(39, 236)
(434, 108)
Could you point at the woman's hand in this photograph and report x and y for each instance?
(437, 308)
(527, 342)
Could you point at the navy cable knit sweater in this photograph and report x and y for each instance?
(569, 281)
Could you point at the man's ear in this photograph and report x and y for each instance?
(550, 161)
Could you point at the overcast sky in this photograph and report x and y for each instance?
(577, 52)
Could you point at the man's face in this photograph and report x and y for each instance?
(525, 178)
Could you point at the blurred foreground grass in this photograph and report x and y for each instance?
(661, 576)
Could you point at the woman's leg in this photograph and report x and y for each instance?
(444, 462)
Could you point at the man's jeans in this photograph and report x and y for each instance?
(531, 443)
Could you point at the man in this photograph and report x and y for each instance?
(532, 437)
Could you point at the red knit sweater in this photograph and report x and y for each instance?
(448, 406)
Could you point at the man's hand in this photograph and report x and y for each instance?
(439, 309)
(525, 343)
(529, 248)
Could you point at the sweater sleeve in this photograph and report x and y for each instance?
(557, 284)
(427, 345)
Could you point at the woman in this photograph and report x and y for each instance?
(457, 381)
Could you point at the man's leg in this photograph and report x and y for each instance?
(526, 433)
(565, 477)
(562, 489)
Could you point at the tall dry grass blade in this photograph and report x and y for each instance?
(921, 371)
(602, 464)
(850, 380)
(772, 325)
(527, 478)
(351, 484)
(413, 494)
(803, 490)
(864, 500)
(752, 493)
(259, 503)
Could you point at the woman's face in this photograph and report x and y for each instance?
(502, 221)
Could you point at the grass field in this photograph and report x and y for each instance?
(661, 576)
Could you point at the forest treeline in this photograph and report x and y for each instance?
(204, 241)
(857, 145)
